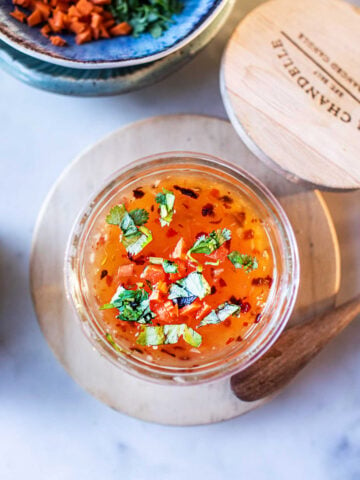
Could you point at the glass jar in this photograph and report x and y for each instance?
(282, 295)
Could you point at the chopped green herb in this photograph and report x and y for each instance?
(168, 265)
(112, 342)
(133, 305)
(133, 238)
(136, 243)
(221, 313)
(168, 334)
(166, 200)
(140, 216)
(213, 263)
(186, 290)
(151, 16)
(239, 260)
(209, 243)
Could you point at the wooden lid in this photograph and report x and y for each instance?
(291, 86)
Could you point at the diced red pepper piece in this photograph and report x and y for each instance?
(166, 312)
(220, 254)
(154, 273)
(205, 309)
(191, 309)
(126, 270)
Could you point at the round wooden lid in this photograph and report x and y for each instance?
(291, 87)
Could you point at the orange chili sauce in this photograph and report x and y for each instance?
(218, 205)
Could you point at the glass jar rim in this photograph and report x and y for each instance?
(211, 371)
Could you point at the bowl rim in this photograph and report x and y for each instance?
(31, 48)
(168, 376)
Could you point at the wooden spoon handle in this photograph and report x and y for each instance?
(294, 349)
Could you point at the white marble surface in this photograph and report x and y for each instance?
(49, 427)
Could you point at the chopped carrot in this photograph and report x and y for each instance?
(121, 29)
(84, 7)
(83, 37)
(22, 3)
(46, 30)
(57, 41)
(87, 19)
(18, 15)
(34, 18)
(44, 9)
(77, 27)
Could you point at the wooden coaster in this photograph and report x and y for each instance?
(291, 86)
(177, 405)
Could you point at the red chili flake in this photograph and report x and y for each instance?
(231, 339)
(257, 318)
(186, 206)
(240, 218)
(186, 191)
(222, 282)
(266, 281)
(152, 208)
(254, 220)
(227, 322)
(215, 192)
(245, 307)
(109, 280)
(226, 199)
(245, 324)
(216, 222)
(248, 234)
(200, 234)
(171, 232)
(239, 338)
(181, 225)
(139, 260)
(138, 193)
(178, 347)
(213, 290)
(103, 274)
(208, 210)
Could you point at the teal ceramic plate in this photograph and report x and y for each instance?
(100, 82)
(121, 51)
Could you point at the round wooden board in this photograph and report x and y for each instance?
(176, 405)
(290, 78)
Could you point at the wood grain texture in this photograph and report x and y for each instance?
(175, 405)
(292, 352)
(291, 86)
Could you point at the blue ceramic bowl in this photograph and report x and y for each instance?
(115, 52)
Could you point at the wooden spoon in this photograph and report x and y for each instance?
(294, 349)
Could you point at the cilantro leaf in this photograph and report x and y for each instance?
(166, 200)
(209, 243)
(186, 290)
(133, 305)
(133, 238)
(136, 243)
(221, 313)
(151, 16)
(168, 334)
(168, 265)
(140, 216)
(245, 261)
